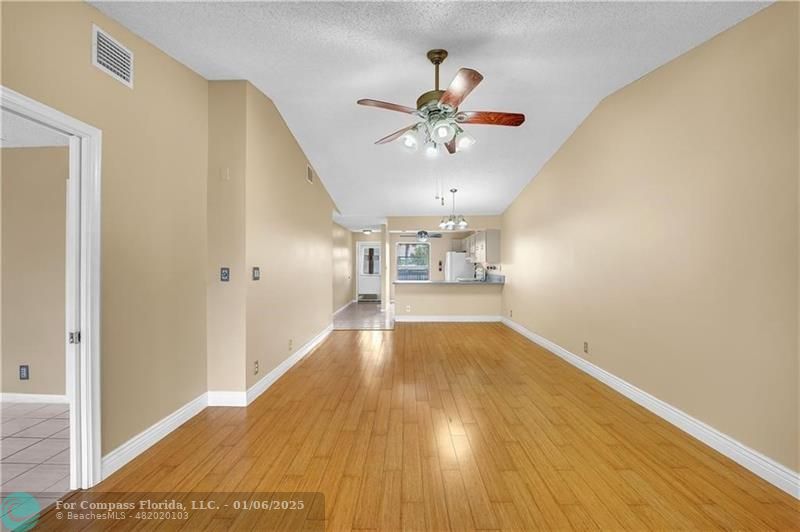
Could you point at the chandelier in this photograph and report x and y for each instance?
(452, 221)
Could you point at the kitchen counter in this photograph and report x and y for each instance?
(467, 283)
(441, 300)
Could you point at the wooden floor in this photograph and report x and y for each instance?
(455, 426)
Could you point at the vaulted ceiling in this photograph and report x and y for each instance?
(551, 61)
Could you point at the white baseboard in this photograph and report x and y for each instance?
(153, 434)
(226, 398)
(150, 436)
(244, 398)
(270, 378)
(464, 318)
(763, 466)
(33, 398)
(344, 306)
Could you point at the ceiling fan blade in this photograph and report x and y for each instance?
(396, 135)
(465, 81)
(491, 118)
(451, 146)
(387, 105)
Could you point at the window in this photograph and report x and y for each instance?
(371, 261)
(413, 262)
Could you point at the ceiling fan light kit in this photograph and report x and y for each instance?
(441, 119)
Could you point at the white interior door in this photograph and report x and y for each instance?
(369, 271)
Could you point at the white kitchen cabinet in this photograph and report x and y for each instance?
(483, 247)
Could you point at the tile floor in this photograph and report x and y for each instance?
(34, 450)
(364, 316)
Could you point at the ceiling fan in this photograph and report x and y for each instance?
(441, 118)
(421, 236)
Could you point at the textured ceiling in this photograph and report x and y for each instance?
(18, 132)
(552, 61)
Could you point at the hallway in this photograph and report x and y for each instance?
(454, 426)
(364, 316)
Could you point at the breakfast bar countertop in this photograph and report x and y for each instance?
(468, 283)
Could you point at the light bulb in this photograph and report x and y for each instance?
(465, 140)
(443, 131)
(431, 150)
(410, 140)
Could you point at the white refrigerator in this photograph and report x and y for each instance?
(457, 266)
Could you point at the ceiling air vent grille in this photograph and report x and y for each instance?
(111, 57)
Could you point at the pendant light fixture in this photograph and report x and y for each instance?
(451, 222)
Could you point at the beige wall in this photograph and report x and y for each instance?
(153, 340)
(448, 300)
(34, 267)
(343, 267)
(226, 303)
(665, 233)
(288, 236)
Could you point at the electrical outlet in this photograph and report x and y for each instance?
(255, 367)
(224, 274)
(24, 372)
(408, 308)
(510, 313)
(291, 342)
(586, 347)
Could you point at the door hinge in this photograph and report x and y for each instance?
(75, 337)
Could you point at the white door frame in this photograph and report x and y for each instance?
(83, 282)
(359, 257)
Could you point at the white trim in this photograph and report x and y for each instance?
(344, 307)
(226, 398)
(83, 367)
(270, 378)
(33, 398)
(150, 436)
(763, 466)
(456, 318)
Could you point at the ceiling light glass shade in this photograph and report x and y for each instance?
(422, 236)
(443, 223)
(443, 131)
(462, 222)
(410, 140)
(431, 150)
(451, 224)
(465, 140)
(366, 231)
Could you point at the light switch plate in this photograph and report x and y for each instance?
(24, 372)
(256, 273)
(224, 274)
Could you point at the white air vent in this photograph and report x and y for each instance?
(111, 57)
(309, 174)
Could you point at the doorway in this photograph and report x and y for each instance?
(366, 313)
(368, 279)
(50, 293)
